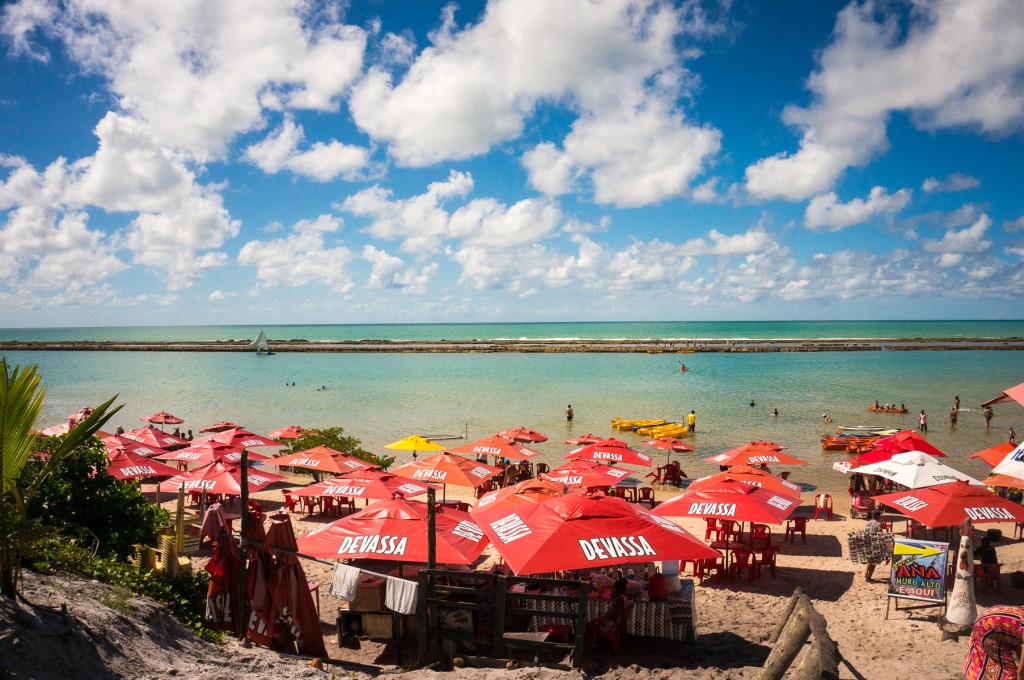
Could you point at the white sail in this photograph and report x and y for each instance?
(260, 343)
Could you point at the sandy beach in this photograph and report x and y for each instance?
(735, 617)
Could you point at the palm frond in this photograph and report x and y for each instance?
(21, 401)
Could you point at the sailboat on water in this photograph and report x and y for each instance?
(261, 344)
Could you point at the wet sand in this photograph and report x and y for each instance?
(677, 346)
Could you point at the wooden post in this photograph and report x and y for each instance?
(241, 606)
(581, 625)
(423, 627)
(500, 594)
(431, 531)
(823, 661)
(792, 640)
(785, 617)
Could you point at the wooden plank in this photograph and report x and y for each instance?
(825, 655)
(788, 646)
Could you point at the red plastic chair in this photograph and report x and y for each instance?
(646, 496)
(766, 559)
(987, 575)
(485, 487)
(730, 530)
(673, 474)
(760, 536)
(706, 565)
(626, 493)
(542, 468)
(617, 636)
(823, 504)
(784, 475)
(741, 562)
(914, 527)
(309, 504)
(712, 528)
(797, 524)
(290, 500)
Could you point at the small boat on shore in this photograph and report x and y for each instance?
(874, 429)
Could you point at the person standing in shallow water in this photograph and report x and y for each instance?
(922, 422)
(691, 422)
(568, 413)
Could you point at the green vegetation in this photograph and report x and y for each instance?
(21, 400)
(334, 437)
(184, 595)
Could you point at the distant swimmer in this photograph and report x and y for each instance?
(752, 404)
(682, 366)
(568, 413)
(825, 419)
(775, 412)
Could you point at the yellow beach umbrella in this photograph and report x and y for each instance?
(414, 443)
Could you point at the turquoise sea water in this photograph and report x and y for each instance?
(379, 398)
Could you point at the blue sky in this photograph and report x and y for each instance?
(208, 161)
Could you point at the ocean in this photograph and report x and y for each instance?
(379, 398)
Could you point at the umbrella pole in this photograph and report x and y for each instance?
(431, 526)
(241, 606)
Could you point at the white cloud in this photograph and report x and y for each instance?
(826, 213)
(955, 182)
(327, 224)
(201, 71)
(617, 63)
(1013, 226)
(220, 295)
(958, 242)
(939, 63)
(321, 162)
(297, 260)
(389, 271)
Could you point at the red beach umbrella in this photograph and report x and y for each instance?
(446, 468)
(756, 453)
(611, 451)
(222, 593)
(502, 447)
(950, 504)
(1004, 481)
(670, 444)
(585, 473)
(748, 475)
(364, 484)
(1015, 393)
(583, 440)
(396, 530)
(243, 439)
(219, 478)
(995, 454)
(905, 440)
(209, 452)
(730, 499)
(162, 418)
(220, 427)
(524, 493)
(112, 442)
(291, 618)
(124, 464)
(320, 459)
(522, 434)
(577, 531)
(65, 427)
(289, 432)
(152, 437)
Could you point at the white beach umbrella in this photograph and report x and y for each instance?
(915, 470)
(1012, 465)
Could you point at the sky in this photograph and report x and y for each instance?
(387, 161)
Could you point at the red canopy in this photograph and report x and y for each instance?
(288, 619)
(243, 439)
(905, 440)
(577, 531)
(524, 493)
(124, 464)
(522, 434)
(583, 440)
(445, 468)
(950, 504)
(219, 478)
(585, 473)
(995, 455)
(162, 418)
(321, 459)
(756, 453)
(1015, 393)
(748, 475)
(114, 441)
(209, 452)
(290, 432)
(220, 427)
(734, 500)
(396, 530)
(611, 451)
(152, 437)
(495, 445)
(670, 444)
(364, 484)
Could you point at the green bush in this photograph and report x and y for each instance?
(82, 500)
(184, 595)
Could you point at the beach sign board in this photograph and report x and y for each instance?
(918, 570)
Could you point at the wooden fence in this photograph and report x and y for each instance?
(802, 621)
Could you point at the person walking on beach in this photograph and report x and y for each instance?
(691, 422)
(987, 412)
(568, 413)
(872, 528)
(956, 402)
(922, 422)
